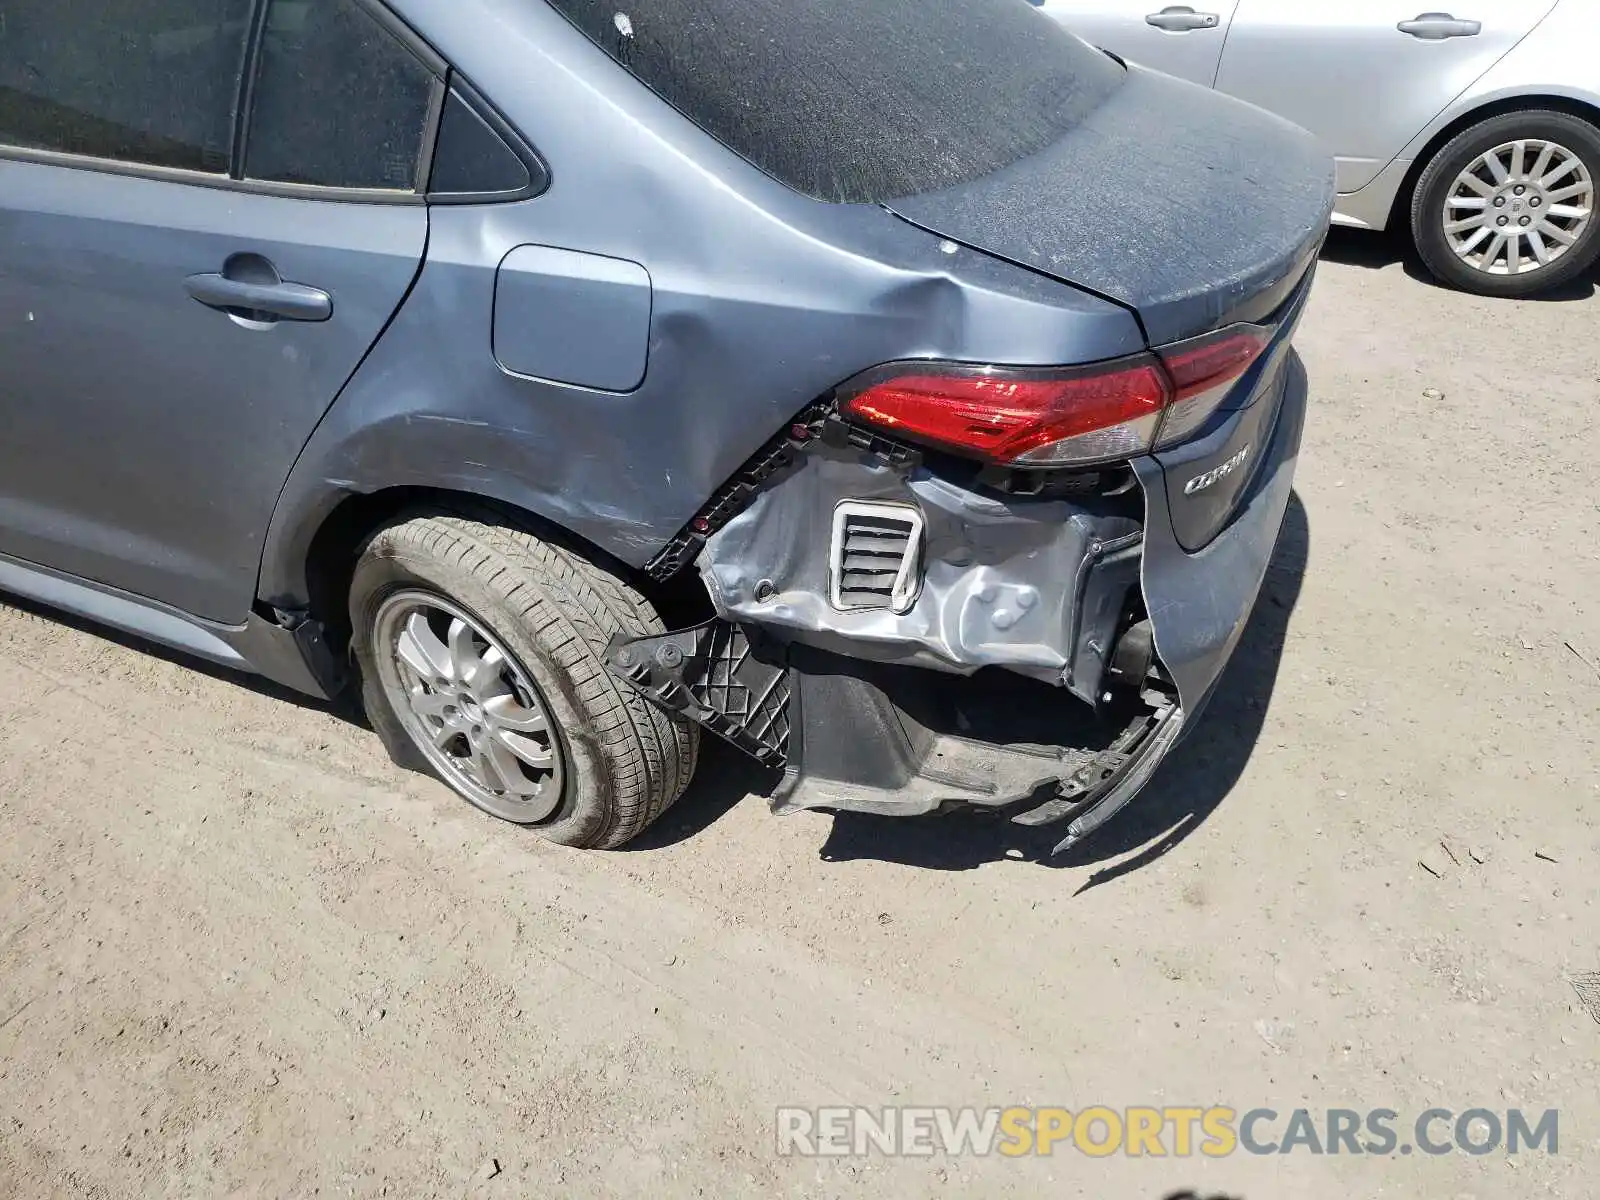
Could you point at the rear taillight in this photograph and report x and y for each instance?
(1203, 373)
(1044, 417)
(1026, 417)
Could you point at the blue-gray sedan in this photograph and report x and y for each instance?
(901, 391)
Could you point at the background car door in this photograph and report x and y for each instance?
(1181, 39)
(1367, 76)
(170, 331)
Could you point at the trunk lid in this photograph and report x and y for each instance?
(1193, 209)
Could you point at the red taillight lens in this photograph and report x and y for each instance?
(1042, 417)
(1200, 367)
(1028, 418)
(1203, 373)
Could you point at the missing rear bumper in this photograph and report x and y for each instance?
(892, 740)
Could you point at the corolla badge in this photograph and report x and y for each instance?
(1201, 482)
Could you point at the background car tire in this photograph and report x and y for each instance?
(553, 611)
(1440, 178)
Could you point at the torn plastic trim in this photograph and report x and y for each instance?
(716, 675)
(884, 739)
(855, 750)
(1128, 778)
(1004, 579)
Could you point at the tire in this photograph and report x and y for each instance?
(1442, 177)
(619, 762)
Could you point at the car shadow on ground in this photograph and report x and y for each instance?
(344, 707)
(725, 777)
(1186, 789)
(1376, 250)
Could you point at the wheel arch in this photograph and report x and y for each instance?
(318, 573)
(1584, 107)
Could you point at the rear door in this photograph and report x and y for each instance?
(1181, 39)
(1366, 76)
(184, 290)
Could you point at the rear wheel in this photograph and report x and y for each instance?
(1507, 207)
(480, 649)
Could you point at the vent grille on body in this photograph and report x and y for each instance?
(876, 556)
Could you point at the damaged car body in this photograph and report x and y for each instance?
(857, 565)
(931, 519)
(902, 392)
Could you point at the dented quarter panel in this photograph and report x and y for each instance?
(762, 300)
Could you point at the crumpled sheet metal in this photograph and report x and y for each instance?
(1000, 577)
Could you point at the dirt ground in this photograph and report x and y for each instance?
(240, 953)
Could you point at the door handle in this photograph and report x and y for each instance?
(290, 301)
(250, 290)
(1181, 19)
(1435, 27)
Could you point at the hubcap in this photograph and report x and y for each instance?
(1519, 207)
(469, 706)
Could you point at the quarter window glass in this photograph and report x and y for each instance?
(145, 81)
(339, 101)
(471, 158)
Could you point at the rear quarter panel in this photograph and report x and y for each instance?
(761, 301)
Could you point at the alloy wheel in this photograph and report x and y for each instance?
(1519, 207)
(469, 706)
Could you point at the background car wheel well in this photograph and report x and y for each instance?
(337, 545)
(1400, 209)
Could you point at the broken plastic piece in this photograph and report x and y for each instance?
(712, 675)
(901, 741)
(1127, 777)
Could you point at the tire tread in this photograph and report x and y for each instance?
(572, 607)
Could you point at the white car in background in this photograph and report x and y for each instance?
(1479, 125)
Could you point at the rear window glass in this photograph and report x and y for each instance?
(859, 101)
